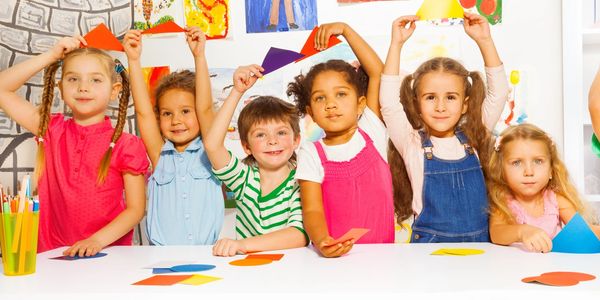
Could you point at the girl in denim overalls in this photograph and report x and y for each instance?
(345, 181)
(441, 129)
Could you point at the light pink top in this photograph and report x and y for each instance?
(407, 140)
(549, 221)
(72, 206)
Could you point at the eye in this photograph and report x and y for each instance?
(71, 79)
(341, 94)
(318, 98)
(186, 111)
(538, 161)
(259, 135)
(165, 113)
(451, 97)
(282, 132)
(96, 80)
(516, 163)
(430, 97)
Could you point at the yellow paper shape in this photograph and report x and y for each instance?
(440, 9)
(457, 251)
(198, 279)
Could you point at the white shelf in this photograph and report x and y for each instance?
(590, 36)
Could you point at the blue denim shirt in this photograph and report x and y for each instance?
(185, 202)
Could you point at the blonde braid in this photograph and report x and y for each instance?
(44, 111)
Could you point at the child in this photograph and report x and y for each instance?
(269, 214)
(442, 131)
(185, 201)
(344, 178)
(84, 164)
(531, 195)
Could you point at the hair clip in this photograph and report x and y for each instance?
(38, 139)
(497, 143)
(111, 145)
(119, 67)
(60, 63)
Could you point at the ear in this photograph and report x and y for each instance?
(296, 142)
(362, 103)
(309, 111)
(246, 148)
(116, 89)
(465, 105)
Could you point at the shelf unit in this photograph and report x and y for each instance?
(581, 59)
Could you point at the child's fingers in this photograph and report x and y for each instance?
(80, 39)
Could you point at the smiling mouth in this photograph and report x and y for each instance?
(83, 99)
(274, 152)
(333, 116)
(180, 131)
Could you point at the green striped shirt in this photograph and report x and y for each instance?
(256, 214)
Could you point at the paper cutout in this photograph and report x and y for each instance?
(191, 268)
(576, 237)
(559, 278)
(354, 233)
(211, 16)
(167, 264)
(265, 256)
(101, 38)
(440, 9)
(162, 280)
(76, 257)
(277, 58)
(162, 271)
(595, 145)
(198, 279)
(457, 251)
(247, 262)
(309, 46)
(168, 27)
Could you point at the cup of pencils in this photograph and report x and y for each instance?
(19, 220)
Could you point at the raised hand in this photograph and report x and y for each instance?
(402, 28)
(476, 27)
(66, 45)
(196, 40)
(325, 31)
(244, 77)
(133, 44)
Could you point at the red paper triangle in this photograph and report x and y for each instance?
(166, 27)
(101, 38)
(309, 46)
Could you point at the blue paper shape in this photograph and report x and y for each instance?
(576, 237)
(191, 268)
(76, 257)
(277, 58)
(162, 271)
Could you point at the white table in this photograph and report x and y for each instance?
(383, 271)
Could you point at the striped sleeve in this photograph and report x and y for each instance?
(234, 175)
(295, 216)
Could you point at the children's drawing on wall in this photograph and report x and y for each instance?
(211, 16)
(33, 27)
(490, 9)
(151, 76)
(450, 12)
(220, 81)
(280, 15)
(514, 111)
(149, 13)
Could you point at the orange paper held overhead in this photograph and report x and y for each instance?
(163, 280)
(101, 38)
(309, 46)
(167, 27)
(250, 262)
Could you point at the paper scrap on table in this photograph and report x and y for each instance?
(162, 280)
(354, 233)
(249, 262)
(76, 257)
(576, 237)
(457, 251)
(266, 256)
(309, 46)
(198, 279)
(559, 278)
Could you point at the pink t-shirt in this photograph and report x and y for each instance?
(72, 206)
(549, 221)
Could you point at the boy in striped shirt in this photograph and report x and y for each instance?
(269, 214)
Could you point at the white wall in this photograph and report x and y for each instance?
(528, 40)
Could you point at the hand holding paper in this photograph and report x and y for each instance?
(353, 234)
(244, 77)
(66, 45)
(196, 40)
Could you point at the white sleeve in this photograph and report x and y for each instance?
(309, 165)
(374, 127)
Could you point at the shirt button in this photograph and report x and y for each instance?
(76, 169)
(417, 236)
(180, 158)
(78, 151)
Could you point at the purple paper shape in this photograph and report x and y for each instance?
(277, 58)
(76, 257)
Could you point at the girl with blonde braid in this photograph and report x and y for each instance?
(90, 175)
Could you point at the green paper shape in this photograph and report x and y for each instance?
(595, 145)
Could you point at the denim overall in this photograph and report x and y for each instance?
(455, 204)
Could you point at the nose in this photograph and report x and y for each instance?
(330, 104)
(272, 140)
(528, 171)
(176, 118)
(83, 86)
(440, 105)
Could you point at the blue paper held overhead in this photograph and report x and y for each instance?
(277, 58)
(576, 237)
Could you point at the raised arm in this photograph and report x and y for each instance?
(367, 57)
(478, 29)
(594, 103)
(214, 142)
(146, 117)
(204, 109)
(11, 79)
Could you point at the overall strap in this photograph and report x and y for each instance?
(464, 141)
(426, 144)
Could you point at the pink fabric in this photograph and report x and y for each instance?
(72, 206)
(358, 194)
(549, 221)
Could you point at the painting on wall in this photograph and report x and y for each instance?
(211, 16)
(280, 15)
(152, 76)
(150, 13)
(490, 9)
(514, 111)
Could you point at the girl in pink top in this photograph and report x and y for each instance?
(344, 178)
(85, 166)
(530, 192)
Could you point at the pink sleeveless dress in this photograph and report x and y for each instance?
(549, 221)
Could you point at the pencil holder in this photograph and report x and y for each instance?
(18, 241)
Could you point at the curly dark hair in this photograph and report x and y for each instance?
(302, 85)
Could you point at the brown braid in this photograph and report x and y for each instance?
(123, 103)
(44, 111)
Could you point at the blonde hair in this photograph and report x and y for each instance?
(471, 123)
(560, 183)
(48, 98)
